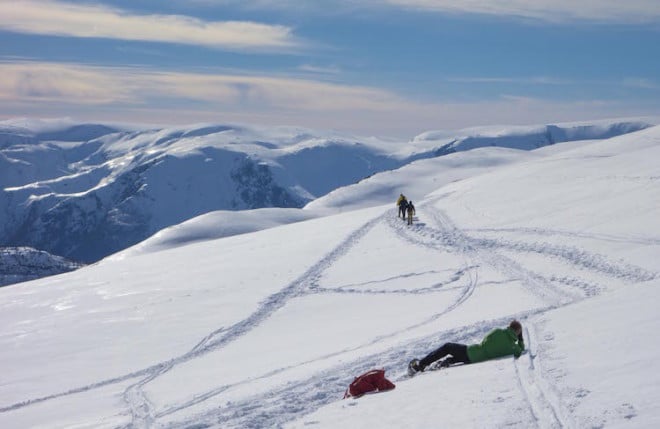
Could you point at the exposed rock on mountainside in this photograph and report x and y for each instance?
(21, 264)
(85, 191)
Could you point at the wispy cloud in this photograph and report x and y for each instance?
(535, 80)
(75, 83)
(308, 68)
(327, 7)
(135, 94)
(74, 20)
(630, 11)
(44, 82)
(548, 10)
(641, 83)
(513, 82)
(141, 95)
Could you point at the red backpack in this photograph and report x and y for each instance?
(372, 381)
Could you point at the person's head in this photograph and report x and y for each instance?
(516, 327)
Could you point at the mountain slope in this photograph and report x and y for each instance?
(267, 329)
(84, 191)
(525, 137)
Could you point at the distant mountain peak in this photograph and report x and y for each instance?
(87, 190)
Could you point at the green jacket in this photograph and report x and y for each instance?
(498, 343)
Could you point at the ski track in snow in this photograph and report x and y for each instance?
(543, 401)
(140, 406)
(647, 241)
(288, 402)
(448, 237)
(291, 401)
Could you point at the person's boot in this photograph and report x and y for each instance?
(414, 367)
(446, 363)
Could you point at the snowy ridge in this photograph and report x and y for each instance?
(267, 328)
(84, 191)
(525, 137)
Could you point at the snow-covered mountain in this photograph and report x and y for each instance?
(23, 263)
(266, 329)
(84, 191)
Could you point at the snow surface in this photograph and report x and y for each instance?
(266, 329)
(86, 191)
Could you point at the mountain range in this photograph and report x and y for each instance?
(83, 191)
(261, 318)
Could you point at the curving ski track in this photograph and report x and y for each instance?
(283, 404)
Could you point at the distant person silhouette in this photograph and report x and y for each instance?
(402, 203)
(410, 209)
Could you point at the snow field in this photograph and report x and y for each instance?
(267, 329)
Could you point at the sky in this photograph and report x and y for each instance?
(266, 329)
(379, 67)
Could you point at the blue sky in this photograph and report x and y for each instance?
(382, 67)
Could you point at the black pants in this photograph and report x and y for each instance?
(458, 354)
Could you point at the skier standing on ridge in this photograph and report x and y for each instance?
(498, 343)
(402, 203)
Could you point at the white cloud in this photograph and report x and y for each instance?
(67, 19)
(535, 80)
(308, 68)
(77, 83)
(327, 7)
(550, 10)
(138, 95)
(44, 82)
(641, 83)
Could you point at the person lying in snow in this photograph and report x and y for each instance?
(499, 342)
